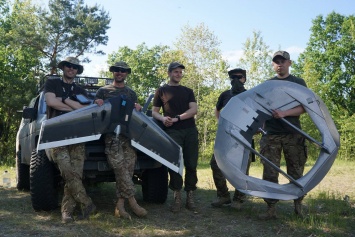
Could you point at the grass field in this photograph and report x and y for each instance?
(330, 211)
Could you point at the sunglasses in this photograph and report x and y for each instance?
(69, 65)
(118, 69)
(236, 77)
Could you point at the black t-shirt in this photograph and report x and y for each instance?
(276, 126)
(223, 99)
(61, 89)
(175, 100)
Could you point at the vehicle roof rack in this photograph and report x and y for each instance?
(86, 82)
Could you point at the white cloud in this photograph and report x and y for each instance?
(93, 70)
(232, 56)
(295, 49)
(294, 52)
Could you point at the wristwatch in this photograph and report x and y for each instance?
(64, 98)
(178, 117)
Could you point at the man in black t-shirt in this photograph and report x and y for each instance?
(179, 108)
(280, 137)
(238, 78)
(70, 159)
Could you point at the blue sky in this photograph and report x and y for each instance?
(283, 24)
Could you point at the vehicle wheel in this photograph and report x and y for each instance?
(44, 195)
(155, 185)
(22, 174)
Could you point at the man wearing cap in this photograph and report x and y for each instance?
(238, 78)
(281, 137)
(70, 159)
(179, 108)
(120, 154)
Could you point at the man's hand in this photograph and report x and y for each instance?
(278, 114)
(296, 111)
(99, 102)
(137, 106)
(167, 121)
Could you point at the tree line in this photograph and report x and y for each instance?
(36, 38)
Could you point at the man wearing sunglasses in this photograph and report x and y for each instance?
(120, 154)
(70, 159)
(237, 78)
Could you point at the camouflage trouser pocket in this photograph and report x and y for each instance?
(304, 151)
(268, 148)
(111, 144)
(59, 153)
(262, 144)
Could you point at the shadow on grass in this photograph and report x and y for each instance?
(325, 215)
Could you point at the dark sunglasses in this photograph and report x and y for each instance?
(118, 69)
(69, 65)
(236, 77)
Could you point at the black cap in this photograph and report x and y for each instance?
(174, 65)
(244, 72)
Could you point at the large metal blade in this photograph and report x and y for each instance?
(91, 122)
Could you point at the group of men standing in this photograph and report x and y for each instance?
(175, 106)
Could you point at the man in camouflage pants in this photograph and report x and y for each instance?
(120, 154)
(281, 137)
(70, 159)
(238, 78)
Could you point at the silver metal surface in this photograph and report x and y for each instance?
(116, 115)
(245, 114)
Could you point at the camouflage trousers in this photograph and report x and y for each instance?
(122, 158)
(295, 153)
(221, 182)
(70, 161)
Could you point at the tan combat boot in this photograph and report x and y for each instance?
(176, 205)
(270, 213)
(238, 199)
(190, 204)
(237, 205)
(120, 211)
(87, 211)
(220, 201)
(67, 217)
(138, 210)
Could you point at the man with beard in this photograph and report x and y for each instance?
(59, 96)
(120, 154)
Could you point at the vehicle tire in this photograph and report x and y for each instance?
(44, 195)
(155, 185)
(22, 174)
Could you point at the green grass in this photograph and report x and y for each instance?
(327, 213)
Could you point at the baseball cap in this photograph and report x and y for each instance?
(281, 53)
(71, 60)
(174, 65)
(120, 64)
(244, 72)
